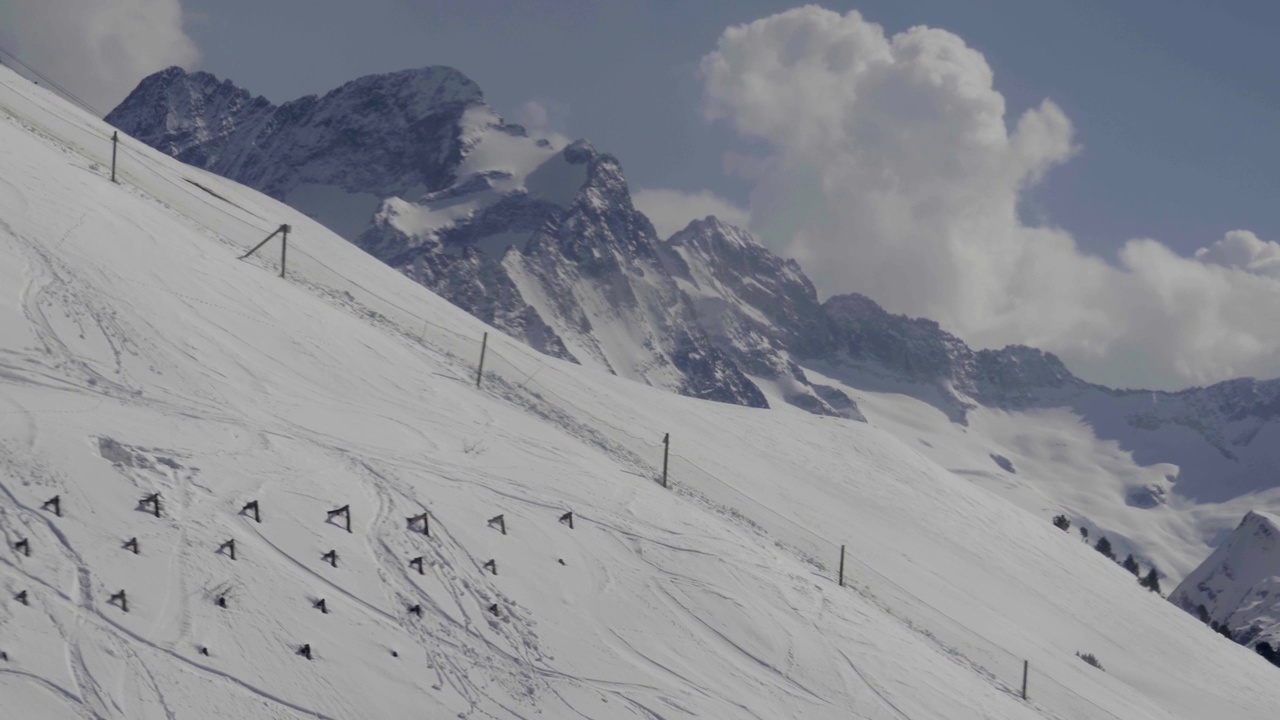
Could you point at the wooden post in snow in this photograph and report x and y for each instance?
(491, 566)
(252, 506)
(121, 598)
(330, 557)
(424, 519)
(344, 511)
(666, 452)
(417, 563)
(154, 501)
(132, 544)
(484, 345)
(56, 503)
(284, 246)
(24, 545)
(229, 545)
(500, 522)
(567, 518)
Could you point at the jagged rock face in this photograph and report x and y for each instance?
(919, 350)
(759, 308)
(541, 241)
(775, 296)
(381, 134)
(598, 265)
(1239, 584)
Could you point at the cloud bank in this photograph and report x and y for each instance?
(97, 49)
(892, 170)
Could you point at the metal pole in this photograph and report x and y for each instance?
(666, 452)
(484, 344)
(1025, 665)
(284, 247)
(841, 566)
(115, 140)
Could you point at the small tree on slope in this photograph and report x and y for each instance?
(1131, 565)
(1104, 547)
(1151, 581)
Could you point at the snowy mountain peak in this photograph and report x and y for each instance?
(1239, 584)
(378, 134)
(539, 239)
(713, 234)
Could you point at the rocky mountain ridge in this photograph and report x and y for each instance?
(542, 241)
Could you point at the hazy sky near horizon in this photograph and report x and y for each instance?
(1010, 162)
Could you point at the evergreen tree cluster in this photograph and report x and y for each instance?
(1202, 612)
(1150, 581)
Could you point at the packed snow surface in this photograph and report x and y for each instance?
(139, 355)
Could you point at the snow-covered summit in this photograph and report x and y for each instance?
(759, 308)
(1239, 584)
(379, 133)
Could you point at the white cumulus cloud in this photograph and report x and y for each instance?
(97, 49)
(1242, 250)
(671, 210)
(893, 169)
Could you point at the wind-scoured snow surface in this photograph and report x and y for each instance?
(138, 355)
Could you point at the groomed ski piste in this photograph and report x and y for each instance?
(140, 355)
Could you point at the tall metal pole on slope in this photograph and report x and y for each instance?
(284, 247)
(115, 141)
(666, 452)
(1026, 664)
(484, 345)
(841, 566)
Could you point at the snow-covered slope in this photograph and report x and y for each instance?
(537, 238)
(140, 356)
(1239, 584)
